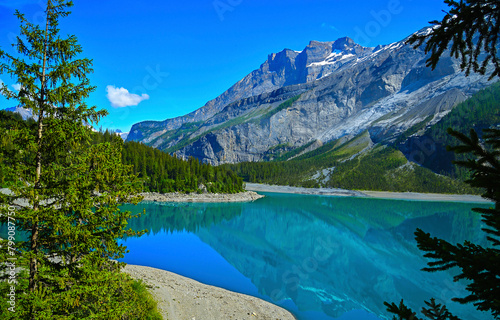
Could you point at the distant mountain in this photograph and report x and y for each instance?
(122, 135)
(25, 113)
(302, 100)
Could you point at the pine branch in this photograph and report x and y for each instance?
(401, 311)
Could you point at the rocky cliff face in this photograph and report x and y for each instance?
(327, 91)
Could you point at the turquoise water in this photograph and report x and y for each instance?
(319, 257)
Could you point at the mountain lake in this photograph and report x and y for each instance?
(320, 257)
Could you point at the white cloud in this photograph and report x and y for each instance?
(120, 97)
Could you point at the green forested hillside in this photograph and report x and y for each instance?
(158, 171)
(355, 164)
(381, 168)
(418, 163)
(162, 172)
(481, 111)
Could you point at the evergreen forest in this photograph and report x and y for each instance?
(360, 164)
(157, 171)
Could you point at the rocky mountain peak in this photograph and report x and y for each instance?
(327, 91)
(276, 61)
(343, 43)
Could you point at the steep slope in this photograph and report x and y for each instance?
(416, 161)
(327, 91)
(281, 69)
(426, 144)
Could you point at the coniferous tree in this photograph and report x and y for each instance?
(471, 27)
(478, 265)
(63, 204)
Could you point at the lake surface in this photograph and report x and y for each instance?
(319, 257)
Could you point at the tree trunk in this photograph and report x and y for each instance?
(32, 286)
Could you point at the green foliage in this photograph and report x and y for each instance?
(402, 311)
(113, 295)
(271, 172)
(8, 121)
(477, 265)
(412, 130)
(287, 104)
(62, 211)
(157, 171)
(435, 311)
(294, 152)
(471, 28)
(160, 172)
(481, 111)
(381, 168)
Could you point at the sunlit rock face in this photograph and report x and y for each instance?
(333, 89)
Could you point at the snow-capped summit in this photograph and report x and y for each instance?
(327, 91)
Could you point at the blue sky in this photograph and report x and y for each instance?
(158, 59)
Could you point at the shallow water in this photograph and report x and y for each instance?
(319, 257)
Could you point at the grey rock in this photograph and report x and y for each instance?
(343, 89)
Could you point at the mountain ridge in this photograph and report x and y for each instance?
(339, 89)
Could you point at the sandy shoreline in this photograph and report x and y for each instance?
(181, 298)
(426, 196)
(258, 187)
(203, 197)
(370, 194)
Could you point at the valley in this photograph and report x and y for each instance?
(335, 114)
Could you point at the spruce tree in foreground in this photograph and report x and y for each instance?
(471, 28)
(479, 266)
(64, 201)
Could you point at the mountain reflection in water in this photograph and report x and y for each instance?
(320, 257)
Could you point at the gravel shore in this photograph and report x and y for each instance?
(181, 298)
(203, 197)
(426, 196)
(298, 190)
(370, 194)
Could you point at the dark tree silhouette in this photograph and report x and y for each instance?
(471, 27)
(478, 265)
